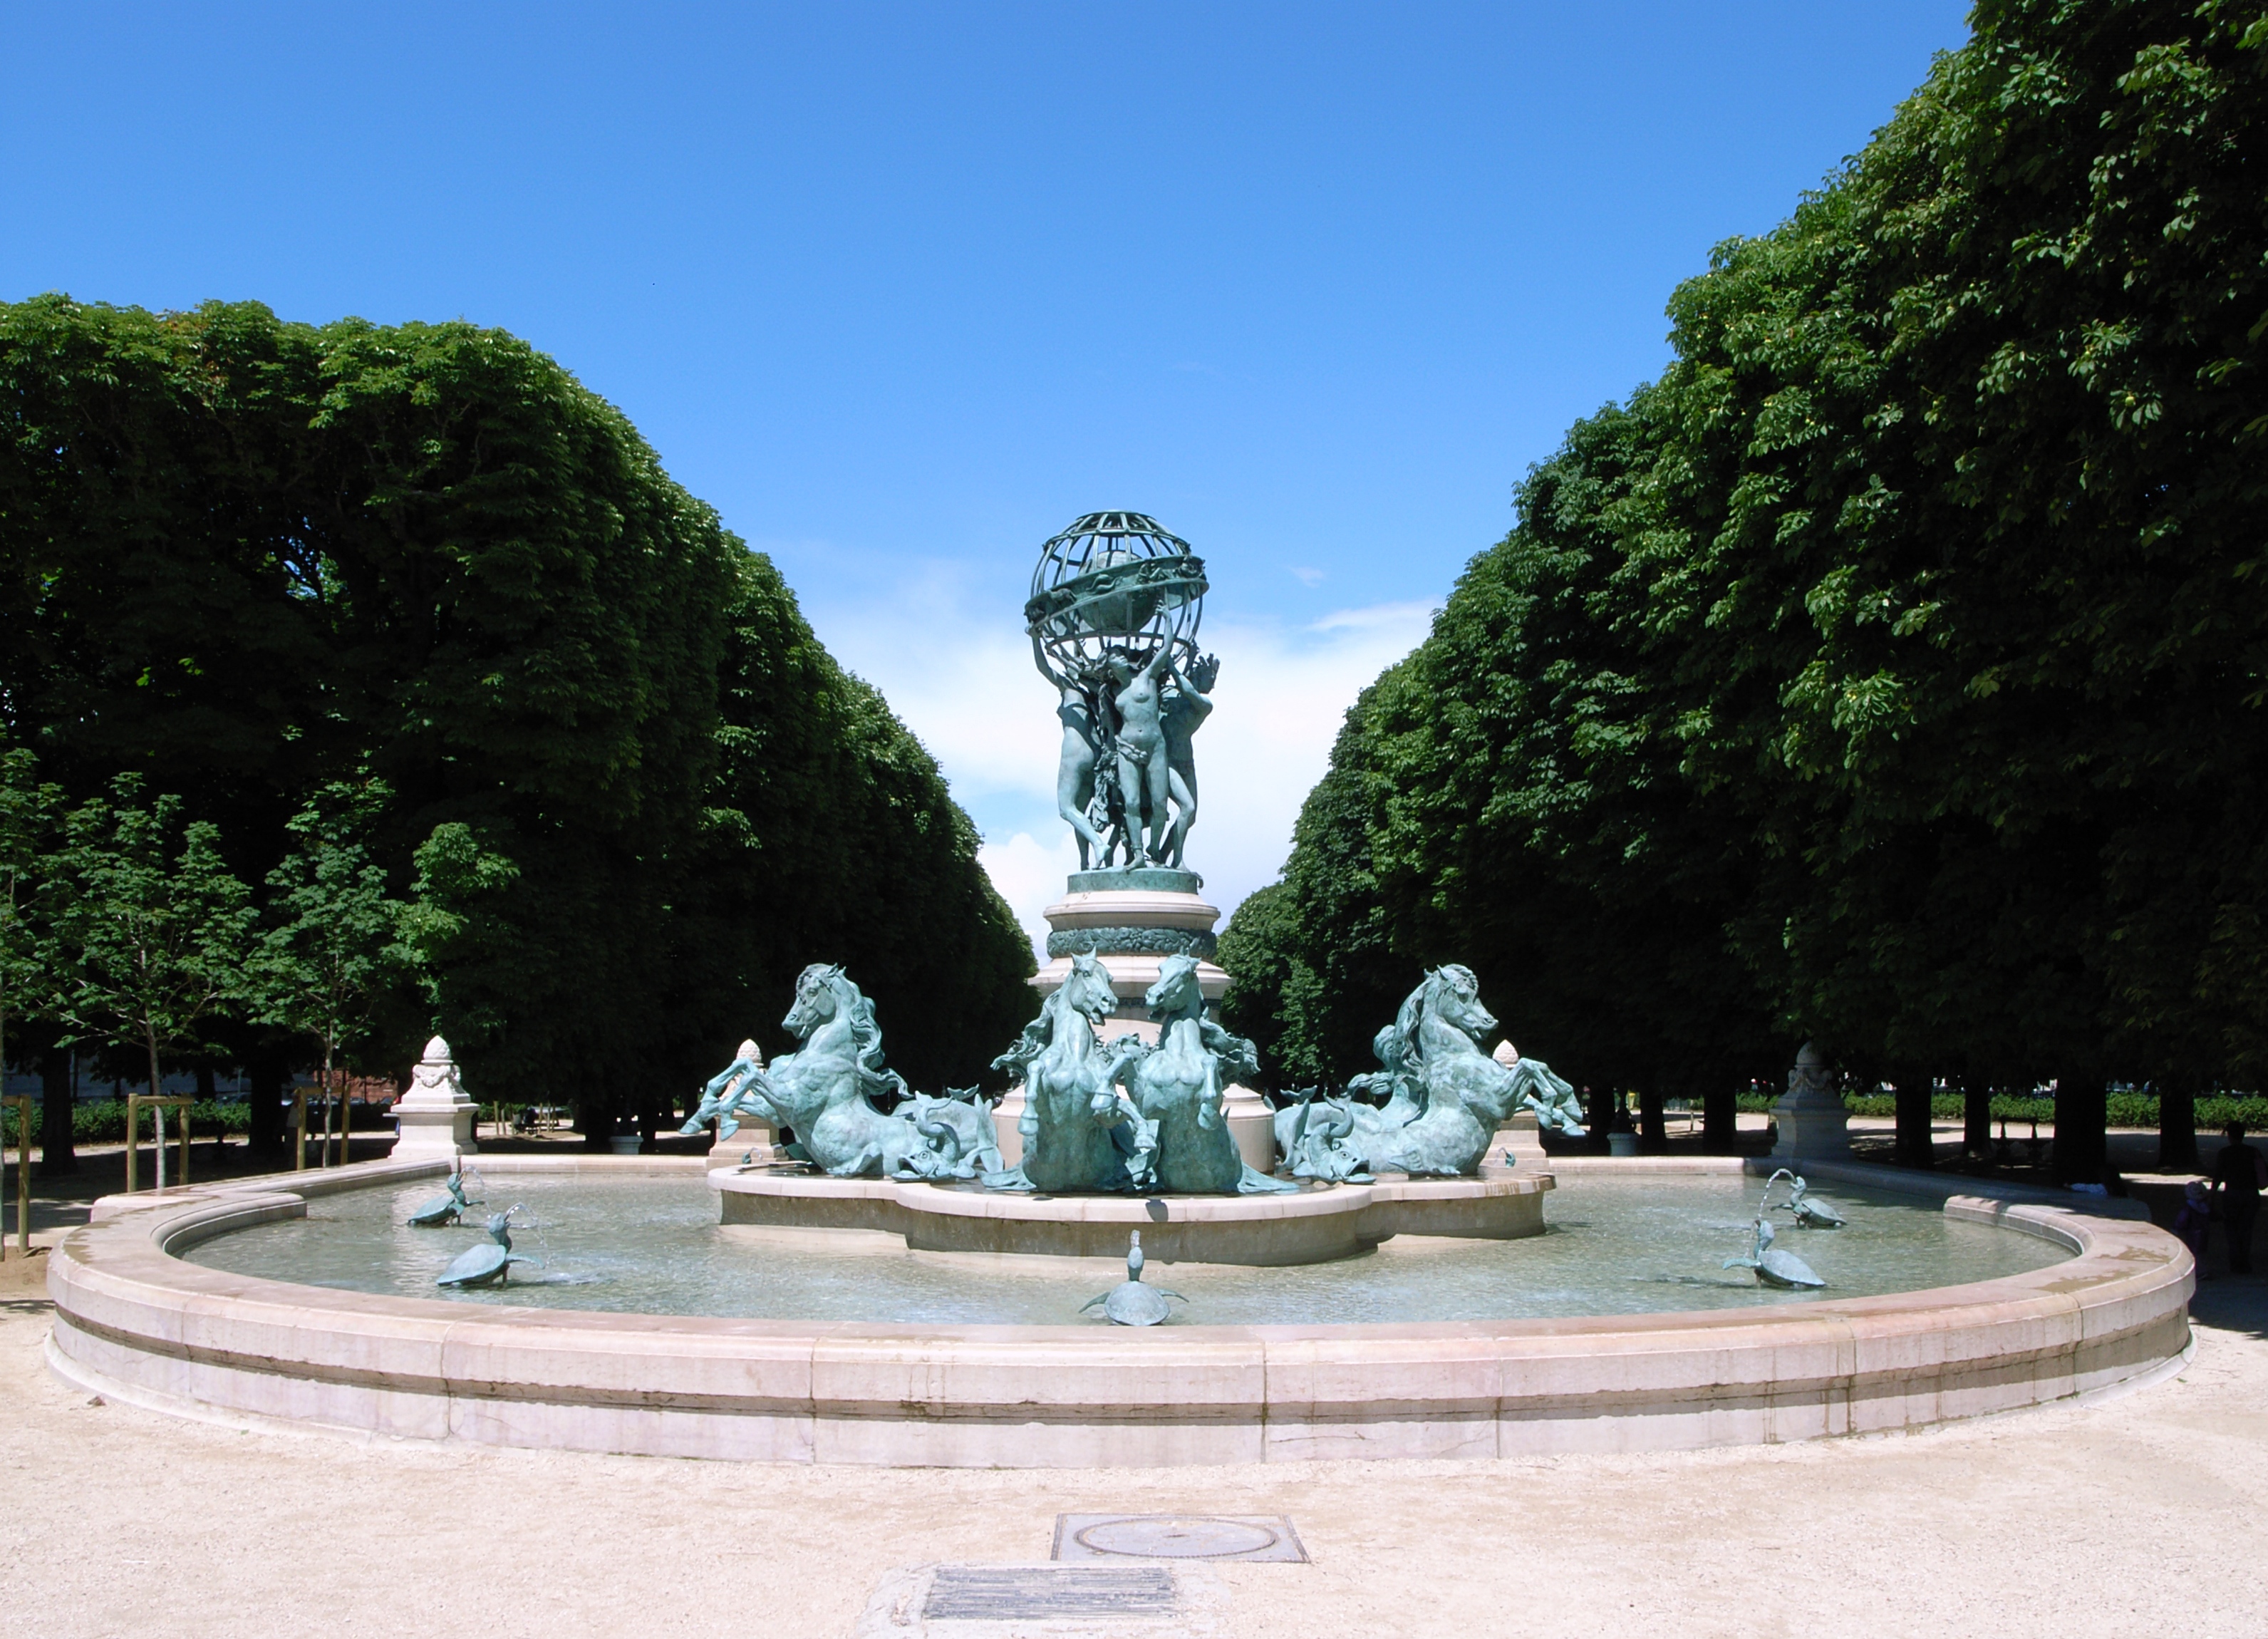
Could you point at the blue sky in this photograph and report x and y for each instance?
(901, 290)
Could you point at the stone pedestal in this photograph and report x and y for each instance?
(434, 1120)
(754, 1138)
(1131, 920)
(1813, 1120)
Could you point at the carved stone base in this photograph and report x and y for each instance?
(434, 1120)
(1813, 1122)
(1132, 920)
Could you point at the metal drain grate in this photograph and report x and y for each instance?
(1177, 1537)
(1010, 1593)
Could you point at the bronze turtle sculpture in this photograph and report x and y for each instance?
(1811, 1213)
(1130, 1303)
(444, 1210)
(486, 1266)
(1782, 1269)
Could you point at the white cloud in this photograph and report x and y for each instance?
(960, 673)
(1029, 874)
(1306, 576)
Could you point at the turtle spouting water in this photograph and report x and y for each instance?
(442, 1209)
(1810, 1213)
(1130, 1303)
(488, 1264)
(1774, 1268)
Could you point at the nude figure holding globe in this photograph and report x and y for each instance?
(1144, 770)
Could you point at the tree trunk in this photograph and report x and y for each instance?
(1977, 1119)
(2177, 1150)
(2082, 1146)
(1916, 1147)
(323, 1150)
(57, 1158)
(1652, 1131)
(263, 1069)
(1721, 1121)
(1598, 1112)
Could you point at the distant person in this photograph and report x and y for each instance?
(2241, 1171)
(2193, 1219)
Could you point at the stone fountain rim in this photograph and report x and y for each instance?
(134, 1320)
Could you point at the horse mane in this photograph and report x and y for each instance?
(874, 1077)
(1405, 1026)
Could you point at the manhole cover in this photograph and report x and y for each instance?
(1012, 1593)
(1176, 1537)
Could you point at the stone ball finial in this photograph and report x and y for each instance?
(437, 1051)
(750, 1050)
(1809, 1058)
(1505, 1053)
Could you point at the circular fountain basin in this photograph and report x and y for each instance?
(2091, 1302)
(1317, 1224)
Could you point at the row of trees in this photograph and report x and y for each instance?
(122, 929)
(621, 788)
(1891, 673)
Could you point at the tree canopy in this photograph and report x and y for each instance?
(1891, 671)
(247, 559)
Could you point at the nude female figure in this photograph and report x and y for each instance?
(1143, 772)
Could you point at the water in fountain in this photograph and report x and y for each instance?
(654, 1245)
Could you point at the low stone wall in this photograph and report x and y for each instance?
(138, 1324)
(1312, 1226)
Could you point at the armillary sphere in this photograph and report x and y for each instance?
(1113, 582)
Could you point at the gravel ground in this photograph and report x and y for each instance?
(2146, 1512)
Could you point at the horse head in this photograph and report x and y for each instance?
(818, 994)
(1086, 989)
(1452, 995)
(1177, 994)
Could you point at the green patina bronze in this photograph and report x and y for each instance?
(1113, 618)
(1109, 942)
(1440, 1099)
(1180, 1088)
(825, 1091)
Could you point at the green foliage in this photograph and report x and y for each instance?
(830, 835)
(150, 930)
(1889, 672)
(333, 948)
(28, 816)
(250, 560)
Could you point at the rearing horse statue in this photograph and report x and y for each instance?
(1448, 1097)
(825, 1089)
(1078, 1133)
(1180, 1086)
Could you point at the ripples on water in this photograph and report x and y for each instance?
(654, 1245)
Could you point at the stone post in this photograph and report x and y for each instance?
(1813, 1120)
(754, 1137)
(434, 1120)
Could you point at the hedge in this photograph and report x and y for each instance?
(103, 1120)
(2125, 1109)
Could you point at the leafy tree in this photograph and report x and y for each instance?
(831, 836)
(27, 978)
(1904, 638)
(252, 559)
(150, 927)
(324, 966)
(1266, 977)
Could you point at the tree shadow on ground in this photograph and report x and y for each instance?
(2233, 1303)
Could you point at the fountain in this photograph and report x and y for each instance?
(902, 1282)
(1129, 1103)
